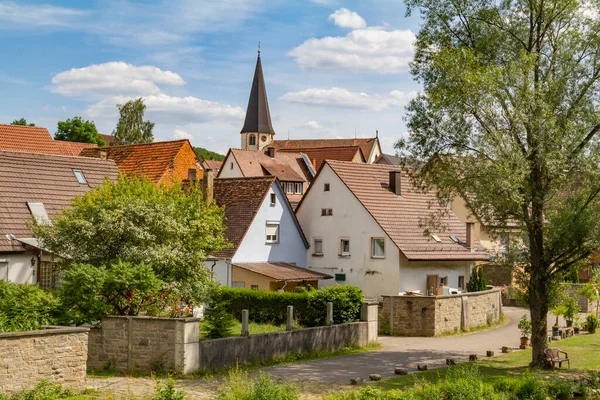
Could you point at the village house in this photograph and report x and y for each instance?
(213, 165)
(36, 185)
(370, 147)
(269, 248)
(159, 162)
(367, 226)
(35, 139)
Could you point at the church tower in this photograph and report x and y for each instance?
(257, 132)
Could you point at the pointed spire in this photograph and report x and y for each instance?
(258, 117)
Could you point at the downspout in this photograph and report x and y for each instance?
(284, 285)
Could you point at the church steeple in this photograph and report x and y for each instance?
(257, 132)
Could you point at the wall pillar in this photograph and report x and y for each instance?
(370, 313)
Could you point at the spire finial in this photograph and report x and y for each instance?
(259, 48)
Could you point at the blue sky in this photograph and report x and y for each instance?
(333, 68)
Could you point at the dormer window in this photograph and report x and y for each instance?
(80, 176)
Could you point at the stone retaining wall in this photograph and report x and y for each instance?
(435, 315)
(56, 354)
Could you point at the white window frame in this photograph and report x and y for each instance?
(299, 188)
(315, 240)
(271, 239)
(373, 239)
(342, 252)
(443, 280)
(461, 277)
(80, 176)
(38, 211)
(273, 198)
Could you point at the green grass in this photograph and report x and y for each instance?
(583, 352)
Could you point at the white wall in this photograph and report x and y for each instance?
(19, 268)
(413, 275)
(376, 277)
(227, 171)
(290, 247)
(221, 270)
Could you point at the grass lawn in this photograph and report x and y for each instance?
(253, 327)
(584, 352)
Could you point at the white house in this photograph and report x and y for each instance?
(269, 248)
(366, 225)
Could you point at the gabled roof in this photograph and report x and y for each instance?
(214, 165)
(258, 117)
(290, 167)
(35, 139)
(283, 272)
(319, 155)
(110, 140)
(389, 159)
(403, 217)
(151, 160)
(365, 144)
(44, 178)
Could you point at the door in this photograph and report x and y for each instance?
(4, 270)
(432, 284)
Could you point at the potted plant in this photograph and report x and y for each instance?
(525, 327)
(571, 309)
(577, 324)
(558, 311)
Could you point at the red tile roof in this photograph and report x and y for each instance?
(110, 140)
(403, 217)
(288, 167)
(365, 144)
(214, 165)
(350, 153)
(73, 148)
(44, 178)
(283, 272)
(151, 160)
(35, 139)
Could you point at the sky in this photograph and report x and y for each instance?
(333, 68)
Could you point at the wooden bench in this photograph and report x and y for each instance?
(553, 357)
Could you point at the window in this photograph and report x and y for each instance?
(273, 199)
(444, 281)
(461, 282)
(80, 177)
(254, 287)
(252, 140)
(238, 285)
(345, 247)
(289, 188)
(326, 187)
(503, 241)
(377, 248)
(436, 238)
(231, 165)
(272, 232)
(39, 212)
(454, 239)
(298, 188)
(318, 247)
(325, 212)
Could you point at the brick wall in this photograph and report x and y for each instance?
(57, 354)
(435, 315)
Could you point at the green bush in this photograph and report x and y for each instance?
(240, 386)
(477, 282)
(591, 323)
(560, 390)
(217, 322)
(309, 306)
(44, 390)
(25, 307)
(167, 391)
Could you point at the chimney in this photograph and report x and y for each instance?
(208, 185)
(395, 184)
(192, 174)
(102, 153)
(314, 163)
(271, 151)
(470, 234)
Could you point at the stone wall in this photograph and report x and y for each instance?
(55, 354)
(587, 306)
(144, 344)
(435, 315)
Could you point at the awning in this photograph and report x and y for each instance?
(283, 272)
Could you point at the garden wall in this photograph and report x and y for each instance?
(587, 306)
(56, 354)
(435, 315)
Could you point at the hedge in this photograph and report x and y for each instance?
(25, 307)
(310, 306)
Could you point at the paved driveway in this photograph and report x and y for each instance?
(405, 352)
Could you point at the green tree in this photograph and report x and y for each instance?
(134, 221)
(477, 282)
(205, 154)
(22, 122)
(78, 130)
(131, 128)
(509, 118)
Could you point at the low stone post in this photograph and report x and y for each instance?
(370, 313)
(329, 313)
(290, 318)
(245, 330)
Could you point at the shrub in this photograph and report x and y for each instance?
(217, 322)
(309, 306)
(592, 323)
(572, 308)
(525, 327)
(530, 388)
(167, 391)
(560, 389)
(25, 307)
(477, 281)
(44, 390)
(239, 386)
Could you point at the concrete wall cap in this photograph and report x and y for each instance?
(468, 294)
(50, 330)
(190, 319)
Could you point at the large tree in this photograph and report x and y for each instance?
(22, 122)
(78, 130)
(131, 128)
(509, 118)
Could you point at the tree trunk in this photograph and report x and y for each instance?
(538, 307)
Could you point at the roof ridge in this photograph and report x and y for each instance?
(267, 177)
(148, 144)
(49, 155)
(366, 165)
(308, 140)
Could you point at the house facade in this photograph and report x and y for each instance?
(364, 224)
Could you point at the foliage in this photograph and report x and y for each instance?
(134, 221)
(131, 128)
(572, 308)
(25, 307)
(44, 390)
(167, 391)
(78, 130)
(240, 386)
(591, 323)
(218, 323)
(508, 120)
(205, 154)
(525, 326)
(22, 122)
(309, 306)
(477, 282)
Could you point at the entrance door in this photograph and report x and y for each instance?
(432, 284)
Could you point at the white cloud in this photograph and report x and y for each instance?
(113, 78)
(27, 15)
(312, 125)
(180, 134)
(347, 19)
(344, 98)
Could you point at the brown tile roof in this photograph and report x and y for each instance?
(110, 140)
(319, 155)
(402, 217)
(242, 198)
(151, 160)
(365, 144)
(35, 139)
(215, 165)
(290, 167)
(44, 178)
(283, 272)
